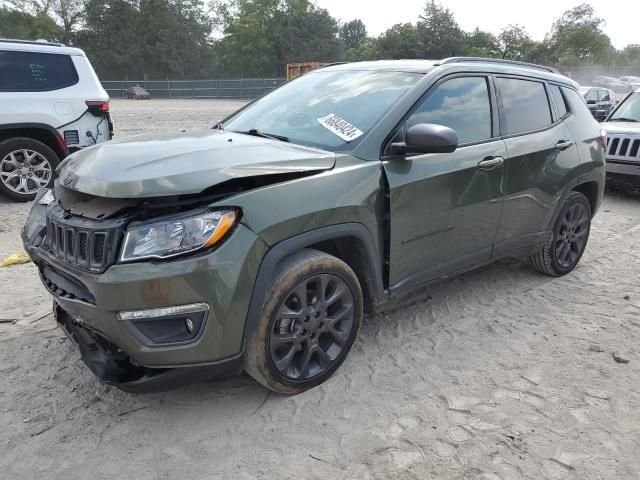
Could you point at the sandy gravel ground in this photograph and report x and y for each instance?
(487, 376)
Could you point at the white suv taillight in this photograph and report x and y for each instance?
(98, 107)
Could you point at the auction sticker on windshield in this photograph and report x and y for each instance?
(340, 127)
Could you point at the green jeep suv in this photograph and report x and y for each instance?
(260, 245)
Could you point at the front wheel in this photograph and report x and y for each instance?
(26, 165)
(568, 240)
(311, 316)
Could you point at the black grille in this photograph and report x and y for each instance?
(622, 147)
(83, 243)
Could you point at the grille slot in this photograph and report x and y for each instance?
(98, 248)
(71, 137)
(83, 243)
(82, 246)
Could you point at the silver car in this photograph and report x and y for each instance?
(601, 101)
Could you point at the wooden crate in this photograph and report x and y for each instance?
(296, 69)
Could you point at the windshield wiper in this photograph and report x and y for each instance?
(271, 136)
(623, 119)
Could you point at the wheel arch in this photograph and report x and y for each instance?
(590, 185)
(350, 242)
(37, 131)
(590, 190)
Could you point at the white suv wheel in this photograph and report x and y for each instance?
(25, 171)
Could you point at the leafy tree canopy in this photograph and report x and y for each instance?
(161, 39)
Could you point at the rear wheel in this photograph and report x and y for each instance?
(310, 319)
(568, 239)
(26, 165)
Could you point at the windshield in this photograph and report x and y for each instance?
(629, 109)
(328, 109)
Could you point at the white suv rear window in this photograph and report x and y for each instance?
(35, 72)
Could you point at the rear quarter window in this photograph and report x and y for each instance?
(35, 72)
(576, 102)
(525, 106)
(558, 99)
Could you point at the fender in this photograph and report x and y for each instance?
(40, 126)
(285, 248)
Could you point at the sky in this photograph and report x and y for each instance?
(622, 16)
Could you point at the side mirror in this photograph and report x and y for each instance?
(591, 102)
(427, 138)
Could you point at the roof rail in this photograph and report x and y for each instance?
(496, 60)
(32, 42)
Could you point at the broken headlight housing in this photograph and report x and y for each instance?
(177, 235)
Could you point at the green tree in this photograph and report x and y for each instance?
(629, 56)
(400, 41)
(24, 26)
(577, 38)
(439, 35)
(353, 33)
(368, 50)
(67, 13)
(481, 44)
(148, 38)
(514, 43)
(261, 36)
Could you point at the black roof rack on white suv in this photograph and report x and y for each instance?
(32, 42)
(496, 60)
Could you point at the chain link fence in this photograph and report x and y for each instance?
(232, 88)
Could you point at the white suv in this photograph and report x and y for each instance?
(51, 104)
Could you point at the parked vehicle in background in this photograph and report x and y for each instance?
(51, 103)
(611, 83)
(632, 82)
(260, 244)
(623, 143)
(599, 100)
(137, 93)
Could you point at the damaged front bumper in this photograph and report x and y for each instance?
(113, 367)
(130, 322)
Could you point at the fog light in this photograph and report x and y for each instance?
(177, 325)
(189, 324)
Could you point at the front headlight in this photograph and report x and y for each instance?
(177, 235)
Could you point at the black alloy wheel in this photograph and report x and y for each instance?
(312, 327)
(571, 235)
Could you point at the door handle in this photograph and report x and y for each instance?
(563, 145)
(490, 162)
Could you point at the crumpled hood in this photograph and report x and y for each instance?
(622, 127)
(175, 164)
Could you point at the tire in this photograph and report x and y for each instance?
(33, 158)
(283, 354)
(568, 239)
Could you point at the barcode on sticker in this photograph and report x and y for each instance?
(340, 127)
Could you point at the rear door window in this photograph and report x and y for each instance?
(35, 72)
(462, 104)
(525, 106)
(604, 96)
(591, 96)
